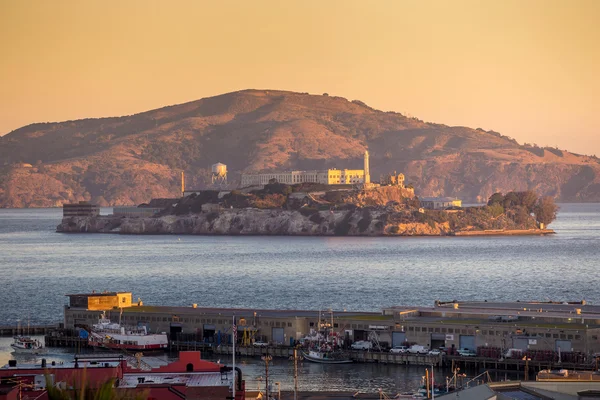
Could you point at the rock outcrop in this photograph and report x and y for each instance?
(359, 222)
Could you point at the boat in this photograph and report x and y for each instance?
(25, 344)
(329, 351)
(113, 336)
(327, 357)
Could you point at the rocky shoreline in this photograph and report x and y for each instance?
(276, 222)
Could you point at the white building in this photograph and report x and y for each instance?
(326, 177)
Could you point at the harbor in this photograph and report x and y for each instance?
(512, 337)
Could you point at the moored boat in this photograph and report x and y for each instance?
(327, 357)
(110, 335)
(25, 344)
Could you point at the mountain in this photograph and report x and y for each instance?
(131, 159)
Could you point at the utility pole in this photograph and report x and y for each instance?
(266, 358)
(296, 372)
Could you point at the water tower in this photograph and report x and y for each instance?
(219, 174)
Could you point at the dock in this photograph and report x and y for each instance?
(68, 338)
(10, 331)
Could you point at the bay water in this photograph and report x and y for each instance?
(39, 266)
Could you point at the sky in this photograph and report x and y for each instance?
(529, 69)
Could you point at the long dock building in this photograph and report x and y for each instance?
(523, 326)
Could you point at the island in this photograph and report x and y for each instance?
(319, 210)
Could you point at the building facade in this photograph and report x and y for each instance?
(567, 328)
(440, 203)
(327, 177)
(81, 209)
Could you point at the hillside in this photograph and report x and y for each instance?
(131, 159)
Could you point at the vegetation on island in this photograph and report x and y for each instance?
(523, 204)
(386, 208)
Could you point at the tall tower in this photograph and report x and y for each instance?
(367, 174)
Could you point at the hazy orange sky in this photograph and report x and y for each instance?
(526, 68)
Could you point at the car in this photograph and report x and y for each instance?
(434, 352)
(466, 353)
(399, 349)
(259, 343)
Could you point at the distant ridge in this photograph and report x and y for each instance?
(131, 159)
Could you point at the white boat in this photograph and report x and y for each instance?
(327, 357)
(25, 344)
(329, 351)
(111, 335)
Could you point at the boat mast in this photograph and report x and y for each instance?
(331, 327)
(319, 332)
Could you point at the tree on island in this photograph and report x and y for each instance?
(528, 199)
(496, 198)
(545, 211)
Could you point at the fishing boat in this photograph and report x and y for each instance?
(327, 357)
(25, 344)
(111, 335)
(324, 345)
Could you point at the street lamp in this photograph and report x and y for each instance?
(527, 359)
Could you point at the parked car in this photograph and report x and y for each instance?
(466, 353)
(399, 349)
(434, 352)
(258, 343)
(362, 345)
(418, 349)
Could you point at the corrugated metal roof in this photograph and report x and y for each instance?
(197, 379)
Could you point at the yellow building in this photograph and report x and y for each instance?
(100, 301)
(345, 176)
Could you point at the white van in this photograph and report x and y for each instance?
(418, 349)
(362, 345)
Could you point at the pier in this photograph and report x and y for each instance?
(65, 338)
(9, 331)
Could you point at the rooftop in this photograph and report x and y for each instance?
(198, 379)
(105, 293)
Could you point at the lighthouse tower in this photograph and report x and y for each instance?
(367, 174)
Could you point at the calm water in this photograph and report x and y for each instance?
(38, 267)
